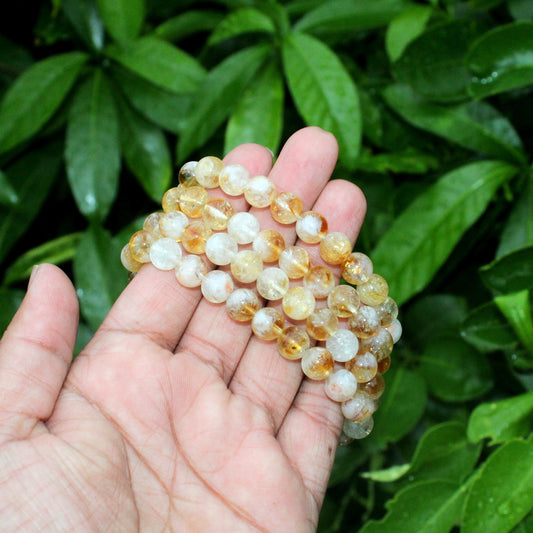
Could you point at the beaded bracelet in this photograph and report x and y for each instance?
(353, 359)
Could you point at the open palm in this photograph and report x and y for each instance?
(173, 418)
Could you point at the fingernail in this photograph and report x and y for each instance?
(33, 275)
(271, 152)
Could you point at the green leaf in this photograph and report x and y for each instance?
(8, 195)
(511, 273)
(217, 96)
(160, 63)
(502, 59)
(92, 151)
(249, 122)
(405, 27)
(425, 507)
(503, 492)
(401, 406)
(56, 251)
(347, 460)
(188, 23)
(10, 300)
(424, 234)
(323, 91)
(406, 161)
(387, 475)
(474, 125)
(501, 421)
(98, 273)
(516, 308)
(520, 9)
(32, 177)
(35, 96)
(454, 370)
(84, 17)
(145, 150)
(123, 19)
(14, 60)
(244, 20)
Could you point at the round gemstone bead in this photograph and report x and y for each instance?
(171, 199)
(233, 179)
(359, 408)
(190, 271)
(380, 344)
(207, 171)
(246, 266)
(384, 365)
(320, 281)
(292, 342)
(140, 244)
(365, 322)
(317, 363)
(127, 260)
(387, 311)
(363, 366)
(357, 268)
(340, 385)
(244, 227)
(194, 237)
(268, 323)
(217, 213)
(298, 303)
(269, 244)
(217, 285)
(186, 175)
(374, 388)
(295, 261)
(242, 305)
(151, 224)
(272, 283)
(260, 191)
(221, 248)
(165, 253)
(343, 345)
(172, 224)
(395, 329)
(344, 301)
(322, 324)
(358, 430)
(374, 291)
(286, 207)
(335, 248)
(193, 200)
(311, 227)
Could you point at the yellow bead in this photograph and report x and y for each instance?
(217, 213)
(374, 290)
(292, 342)
(127, 260)
(233, 179)
(140, 244)
(298, 303)
(151, 224)
(317, 363)
(322, 324)
(374, 387)
(343, 301)
(363, 366)
(193, 200)
(246, 266)
(286, 208)
(380, 344)
(171, 199)
(242, 305)
(272, 283)
(269, 244)
(357, 268)
(320, 281)
(311, 227)
(387, 311)
(172, 224)
(260, 191)
(295, 262)
(335, 248)
(384, 365)
(186, 175)
(268, 323)
(207, 171)
(365, 322)
(195, 237)
(359, 408)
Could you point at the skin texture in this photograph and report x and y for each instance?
(173, 418)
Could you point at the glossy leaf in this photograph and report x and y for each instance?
(347, 460)
(8, 195)
(502, 59)
(93, 148)
(15, 59)
(323, 91)
(405, 161)
(424, 234)
(474, 125)
(160, 63)
(394, 473)
(511, 273)
(86, 20)
(35, 96)
(503, 492)
(56, 251)
(249, 122)
(520, 9)
(188, 23)
(218, 95)
(123, 19)
(516, 308)
(10, 300)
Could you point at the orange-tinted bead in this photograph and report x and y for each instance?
(335, 248)
(269, 244)
(193, 200)
(127, 260)
(374, 290)
(343, 301)
(298, 303)
(207, 171)
(151, 224)
(387, 311)
(286, 208)
(365, 322)
(311, 227)
(171, 199)
(380, 344)
(195, 237)
(322, 324)
(317, 363)
(268, 323)
(363, 366)
(186, 174)
(320, 281)
(295, 262)
(292, 342)
(357, 268)
(246, 266)
(217, 213)
(384, 364)
(140, 244)
(242, 305)
(374, 388)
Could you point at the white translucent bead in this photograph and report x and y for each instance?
(217, 285)
(341, 385)
(191, 270)
(242, 305)
(243, 227)
(260, 191)
(358, 430)
(343, 345)
(172, 224)
(298, 303)
(233, 179)
(311, 227)
(395, 329)
(268, 323)
(359, 408)
(246, 266)
(165, 253)
(221, 248)
(272, 283)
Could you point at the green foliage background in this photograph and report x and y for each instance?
(431, 102)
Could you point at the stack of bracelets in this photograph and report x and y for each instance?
(353, 359)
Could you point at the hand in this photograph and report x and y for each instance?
(174, 417)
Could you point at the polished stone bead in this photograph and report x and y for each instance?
(357, 268)
(191, 271)
(127, 260)
(335, 248)
(172, 224)
(359, 408)
(317, 363)
(286, 207)
(151, 224)
(344, 301)
(244, 227)
(311, 227)
(207, 171)
(298, 303)
(246, 266)
(358, 430)
(165, 253)
(217, 285)
(242, 305)
(387, 311)
(269, 244)
(260, 191)
(340, 385)
(384, 365)
(380, 344)
(320, 281)
(268, 323)
(322, 324)
(186, 174)
(374, 290)
(395, 329)
(193, 200)
(363, 366)
(295, 262)
(233, 179)
(195, 237)
(292, 342)
(221, 248)
(272, 283)
(343, 345)
(140, 244)
(171, 199)
(365, 322)
(374, 387)
(217, 213)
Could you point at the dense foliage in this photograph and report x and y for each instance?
(431, 102)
